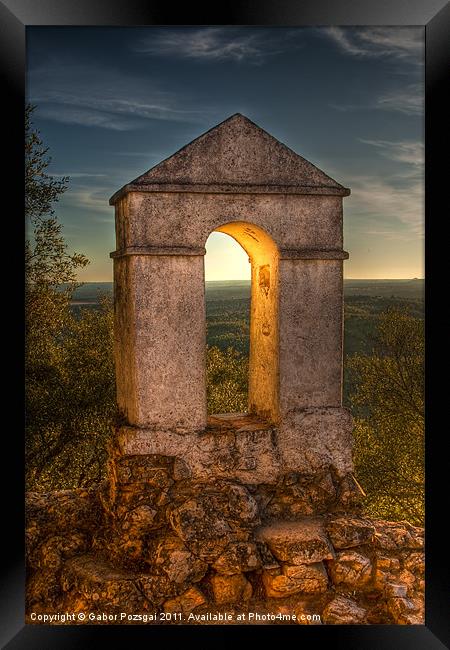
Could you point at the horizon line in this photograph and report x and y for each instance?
(249, 280)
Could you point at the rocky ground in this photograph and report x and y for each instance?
(153, 542)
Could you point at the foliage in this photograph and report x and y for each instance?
(387, 396)
(71, 404)
(226, 381)
(48, 265)
(41, 190)
(69, 389)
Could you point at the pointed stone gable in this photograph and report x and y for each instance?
(236, 154)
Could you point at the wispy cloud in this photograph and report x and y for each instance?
(77, 175)
(400, 43)
(102, 97)
(218, 43)
(393, 205)
(388, 209)
(84, 117)
(410, 152)
(408, 100)
(92, 200)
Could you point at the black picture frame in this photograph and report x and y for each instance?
(434, 15)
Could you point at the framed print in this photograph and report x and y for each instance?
(230, 414)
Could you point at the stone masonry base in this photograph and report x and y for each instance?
(154, 540)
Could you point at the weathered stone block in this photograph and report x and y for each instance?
(313, 439)
(297, 542)
(237, 558)
(350, 569)
(140, 520)
(208, 522)
(96, 581)
(298, 495)
(395, 590)
(186, 602)
(415, 562)
(154, 470)
(386, 569)
(303, 578)
(391, 535)
(204, 530)
(343, 611)
(177, 562)
(350, 493)
(230, 589)
(51, 553)
(347, 531)
(405, 611)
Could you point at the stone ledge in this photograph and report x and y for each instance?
(224, 188)
(246, 448)
(247, 454)
(158, 250)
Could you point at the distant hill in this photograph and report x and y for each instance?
(89, 292)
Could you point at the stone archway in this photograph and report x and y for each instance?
(234, 173)
(263, 383)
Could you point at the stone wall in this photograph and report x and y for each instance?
(154, 540)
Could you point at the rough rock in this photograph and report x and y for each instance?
(237, 558)
(43, 586)
(64, 511)
(51, 553)
(386, 568)
(386, 563)
(186, 602)
(415, 563)
(154, 470)
(177, 562)
(405, 611)
(350, 494)
(408, 579)
(140, 520)
(395, 590)
(208, 522)
(350, 569)
(230, 589)
(298, 494)
(96, 581)
(391, 535)
(347, 531)
(343, 611)
(303, 578)
(297, 542)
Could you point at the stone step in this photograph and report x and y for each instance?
(297, 542)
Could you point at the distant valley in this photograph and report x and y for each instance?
(228, 303)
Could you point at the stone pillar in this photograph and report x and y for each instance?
(160, 337)
(311, 329)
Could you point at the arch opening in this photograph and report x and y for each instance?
(263, 364)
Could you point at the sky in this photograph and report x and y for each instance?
(113, 102)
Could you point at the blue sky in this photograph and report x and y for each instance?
(113, 102)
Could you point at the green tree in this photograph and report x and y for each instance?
(387, 396)
(69, 384)
(50, 271)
